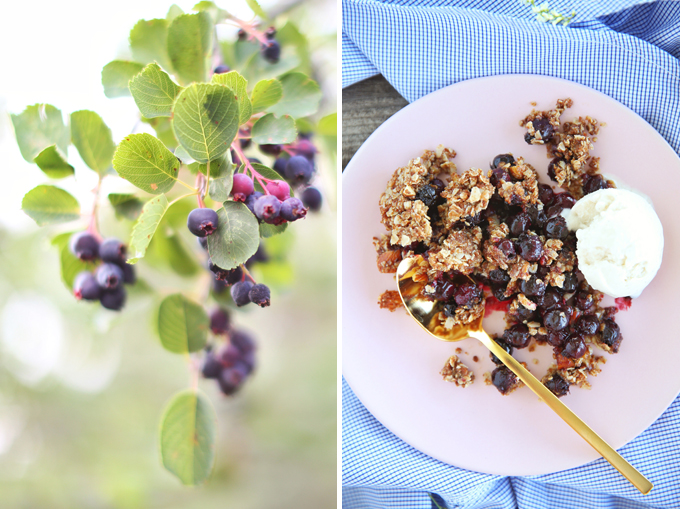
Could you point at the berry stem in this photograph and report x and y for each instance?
(249, 28)
(92, 226)
(236, 146)
(246, 272)
(201, 186)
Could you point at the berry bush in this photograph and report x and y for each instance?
(224, 151)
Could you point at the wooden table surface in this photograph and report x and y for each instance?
(366, 105)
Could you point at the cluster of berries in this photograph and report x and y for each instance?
(276, 206)
(106, 283)
(270, 48)
(296, 165)
(233, 363)
(203, 222)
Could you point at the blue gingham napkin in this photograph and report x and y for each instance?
(625, 49)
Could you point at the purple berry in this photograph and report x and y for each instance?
(270, 33)
(212, 367)
(271, 51)
(311, 197)
(530, 247)
(267, 208)
(113, 299)
(219, 321)
(243, 341)
(84, 245)
(502, 159)
(202, 222)
(109, 276)
(221, 69)
(260, 295)
(306, 149)
(129, 274)
(293, 209)
(250, 201)
(299, 170)
(272, 150)
(85, 287)
(113, 250)
(240, 293)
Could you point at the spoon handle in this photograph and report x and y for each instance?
(607, 452)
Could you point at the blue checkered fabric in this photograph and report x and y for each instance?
(625, 49)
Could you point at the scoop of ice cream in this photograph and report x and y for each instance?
(619, 241)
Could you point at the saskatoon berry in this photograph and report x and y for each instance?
(564, 200)
(523, 313)
(219, 321)
(230, 356)
(270, 33)
(503, 379)
(611, 334)
(306, 149)
(298, 170)
(468, 295)
(507, 248)
(530, 247)
(240, 292)
(230, 379)
(242, 187)
(202, 222)
(293, 209)
(502, 159)
(280, 165)
(519, 224)
(443, 289)
(555, 163)
(545, 194)
(248, 360)
(505, 346)
(311, 197)
(113, 299)
(113, 250)
(557, 338)
(556, 319)
(242, 35)
(498, 176)
(450, 309)
(499, 294)
(230, 276)
(85, 287)
(592, 183)
(279, 188)
(549, 299)
(221, 69)
(556, 228)
(271, 51)
(242, 341)
(543, 126)
(427, 194)
(267, 208)
(129, 274)
(517, 335)
(203, 242)
(570, 282)
(533, 287)
(84, 245)
(272, 150)
(499, 277)
(584, 300)
(557, 385)
(588, 324)
(575, 347)
(212, 367)
(109, 276)
(260, 295)
(250, 201)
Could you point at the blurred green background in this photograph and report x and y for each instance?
(82, 389)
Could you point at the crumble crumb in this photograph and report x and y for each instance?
(456, 372)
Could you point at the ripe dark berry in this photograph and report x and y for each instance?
(311, 197)
(502, 159)
(230, 356)
(129, 274)
(570, 282)
(503, 379)
(507, 247)
(270, 33)
(498, 176)
(443, 288)
(242, 187)
(260, 295)
(545, 194)
(109, 276)
(588, 324)
(113, 299)
(549, 299)
(243, 341)
(557, 318)
(557, 385)
(544, 127)
(272, 150)
(202, 222)
(221, 69)
(231, 379)
(519, 224)
(280, 165)
(556, 228)
(219, 321)
(468, 295)
(113, 250)
(505, 346)
(293, 209)
(427, 194)
(592, 183)
(611, 334)
(85, 287)
(530, 247)
(517, 335)
(242, 35)
(557, 338)
(212, 367)
(271, 51)
(240, 292)
(533, 287)
(203, 242)
(84, 245)
(575, 347)
(306, 149)
(267, 208)
(250, 201)
(298, 170)
(499, 277)
(230, 276)
(583, 300)
(279, 188)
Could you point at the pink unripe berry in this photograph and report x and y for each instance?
(242, 187)
(279, 188)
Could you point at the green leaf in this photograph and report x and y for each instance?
(183, 154)
(149, 42)
(38, 127)
(290, 38)
(328, 125)
(255, 7)
(50, 205)
(154, 92)
(144, 161)
(265, 94)
(146, 226)
(220, 167)
(182, 324)
(269, 230)
(126, 205)
(206, 120)
(272, 130)
(218, 15)
(304, 125)
(237, 236)
(174, 11)
(220, 188)
(116, 75)
(239, 85)
(239, 53)
(169, 248)
(188, 433)
(257, 68)
(301, 96)
(53, 163)
(189, 46)
(92, 138)
(164, 132)
(267, 173)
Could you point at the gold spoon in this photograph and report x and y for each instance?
(426, 314)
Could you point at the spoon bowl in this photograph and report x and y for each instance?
(426, 312)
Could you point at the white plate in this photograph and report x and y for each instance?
(392, 365)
